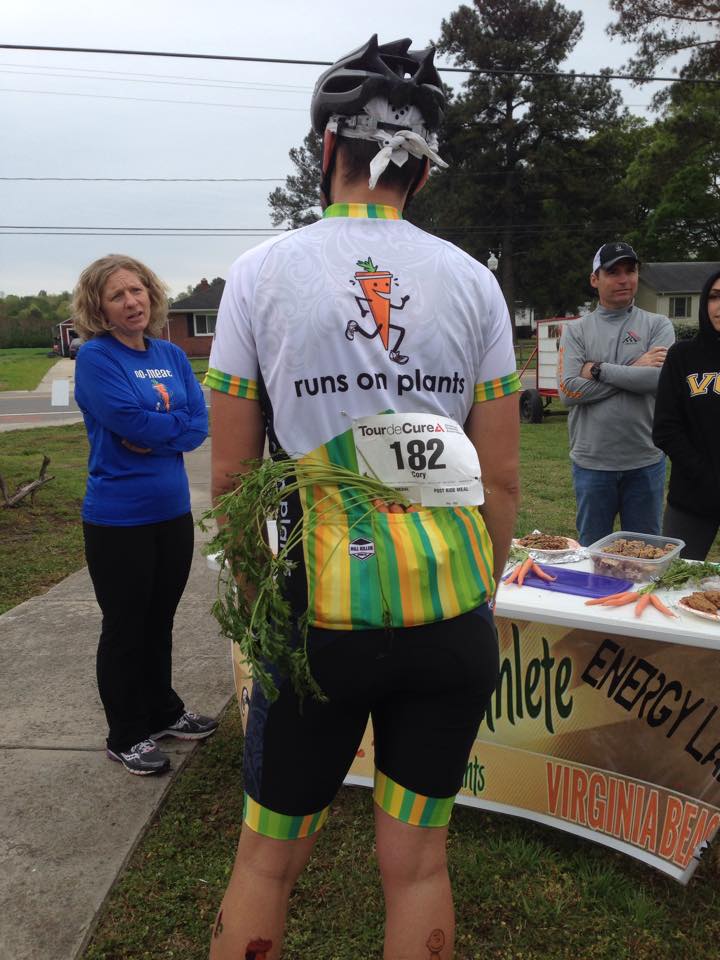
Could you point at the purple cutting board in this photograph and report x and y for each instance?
(577, 582)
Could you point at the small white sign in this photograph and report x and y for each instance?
(429, 459)
(60, 396)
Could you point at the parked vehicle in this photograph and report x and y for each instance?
(75, 345)
(534, 401)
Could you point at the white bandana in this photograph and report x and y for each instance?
(397, 144)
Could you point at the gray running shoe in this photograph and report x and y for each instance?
(142, 759)
(190, 726)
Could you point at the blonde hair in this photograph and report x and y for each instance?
(88, 318)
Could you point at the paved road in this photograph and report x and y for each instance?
(34, 408)
(21, 409)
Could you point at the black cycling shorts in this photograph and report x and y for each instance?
(424, 687)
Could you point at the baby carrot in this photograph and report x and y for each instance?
(657, 602)
(602, 600)
(642, 603)
(524, 571)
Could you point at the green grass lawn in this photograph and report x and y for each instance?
(23, 368)
(523, 891)
(41, 543)
(200, 367)
(523, 352)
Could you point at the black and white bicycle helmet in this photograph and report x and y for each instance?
(391, 70)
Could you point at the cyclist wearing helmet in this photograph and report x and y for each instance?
(361, 326)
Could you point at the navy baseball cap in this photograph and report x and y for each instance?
(610, 253)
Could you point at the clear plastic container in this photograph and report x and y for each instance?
(623, 567)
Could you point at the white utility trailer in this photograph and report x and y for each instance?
(534, 400)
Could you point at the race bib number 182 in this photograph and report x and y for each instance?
(427, 458)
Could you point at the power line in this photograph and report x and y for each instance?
(143, 179)
(100, 233)
(165, 76)
(23, 226)
(182, 103)
(449, 174)
(117, 75)
(491, 71)
(524, 229)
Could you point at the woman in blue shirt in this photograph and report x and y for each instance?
(143, 408)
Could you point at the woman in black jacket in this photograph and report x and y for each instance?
(687, 428)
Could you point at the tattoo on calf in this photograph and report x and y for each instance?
(258, 949)
(435, 943)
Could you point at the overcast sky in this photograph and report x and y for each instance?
(78, 115)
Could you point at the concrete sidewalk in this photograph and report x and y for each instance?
(70, 817)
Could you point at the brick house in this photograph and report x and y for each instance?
(191, 319)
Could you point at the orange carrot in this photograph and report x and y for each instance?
(376, 285)
(162, 390)
(622, 601)
(602, 600)
(524, 569)
(657, 602)
(642, 603)
(396, 508)
(513, 575)
(539, 572)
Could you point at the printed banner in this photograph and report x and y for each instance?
(613, 738)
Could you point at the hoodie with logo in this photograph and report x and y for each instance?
(610, 419)
(687, 417)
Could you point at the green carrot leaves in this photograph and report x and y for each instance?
(367, 265)
(257, 616)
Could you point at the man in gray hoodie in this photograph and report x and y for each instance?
(608, 368)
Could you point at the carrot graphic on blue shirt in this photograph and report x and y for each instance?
(164, 395)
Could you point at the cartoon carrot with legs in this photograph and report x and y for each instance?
(376, 287)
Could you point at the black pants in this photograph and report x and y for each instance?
(697, 532)
(139, 574)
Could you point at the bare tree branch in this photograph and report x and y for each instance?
(29, 488)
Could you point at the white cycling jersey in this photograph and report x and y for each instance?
(359, 314)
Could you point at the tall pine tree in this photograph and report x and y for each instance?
(515, 140)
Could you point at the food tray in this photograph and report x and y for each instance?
(565, 554)
(575, 582)
(703, 614)
(632, 568)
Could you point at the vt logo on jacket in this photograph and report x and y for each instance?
(700, 383)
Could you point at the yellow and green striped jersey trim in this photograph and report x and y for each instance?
(426, 566)
(492, 389)
(412, 808)
(235, 386)
(367, 211)
(281, 826)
